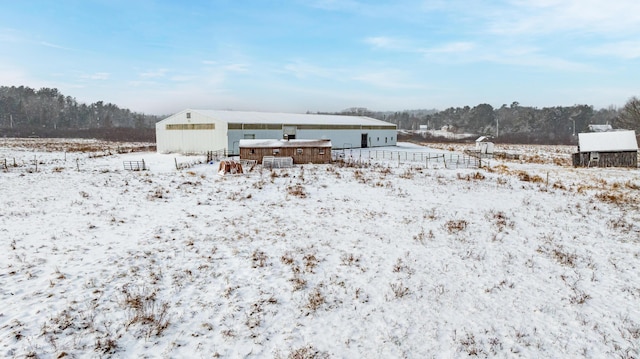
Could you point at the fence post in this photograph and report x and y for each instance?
(176, 161)
(78, 164)
(144, 166)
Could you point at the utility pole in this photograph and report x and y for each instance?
(11, 120)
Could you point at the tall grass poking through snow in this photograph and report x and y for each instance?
(373, 260)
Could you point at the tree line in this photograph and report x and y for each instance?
(48, 113)
(27, 108)
(514, 123)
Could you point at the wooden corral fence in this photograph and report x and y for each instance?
(186, 164)
(213, 156)
(135, 165)
(248, 165)
(230, 166)
(6, 164)
(277, 162)
(448, 160)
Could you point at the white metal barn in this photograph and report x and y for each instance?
(197, 131)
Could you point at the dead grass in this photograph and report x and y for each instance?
(526, 177)
(297, 191)
(612, 197)
(315, 300)
(399, 290)
(144, 310)
(456, 225)
(476, 176)
(307, 352)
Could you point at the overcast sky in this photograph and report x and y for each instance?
(162, 56)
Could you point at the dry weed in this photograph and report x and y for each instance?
(297, 191)
(456, 225)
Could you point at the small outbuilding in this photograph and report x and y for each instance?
(484, 145)
(607, 149)
(301, 151)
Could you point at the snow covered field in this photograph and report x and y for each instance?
(380, 260)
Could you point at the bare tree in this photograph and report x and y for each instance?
(629, 117)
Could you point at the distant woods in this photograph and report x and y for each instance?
(48, 113)
(514, 123)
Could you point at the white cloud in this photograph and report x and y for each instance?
(9, 35)
(96, 76)
(388, 79)
(452, 47)
(627, 50)
(544, 62)
(303, 70)
(230, 67)
(154, 73)
(12, 75)
(619, 17)
(54, 46)
(239, 67)
(385, 42)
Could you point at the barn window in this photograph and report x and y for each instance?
(252, 151)
(321, 151)
(276, 151)
(378, 139)
(188, 114)
(385, 140)
(192, 126)
(299, 151)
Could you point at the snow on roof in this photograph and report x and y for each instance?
(290, 118)
(483, 139)
(284, 143)
(600, 128)
(613, 141)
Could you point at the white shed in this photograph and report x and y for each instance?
(197, 131)
(484, 145)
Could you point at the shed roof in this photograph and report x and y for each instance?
(289, 118)
(284, 143)
(614, 141)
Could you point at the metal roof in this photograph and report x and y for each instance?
(613, 141)
(289, 118)
(284, 143)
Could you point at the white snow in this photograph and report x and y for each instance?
(612, 141)
(377, 260)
